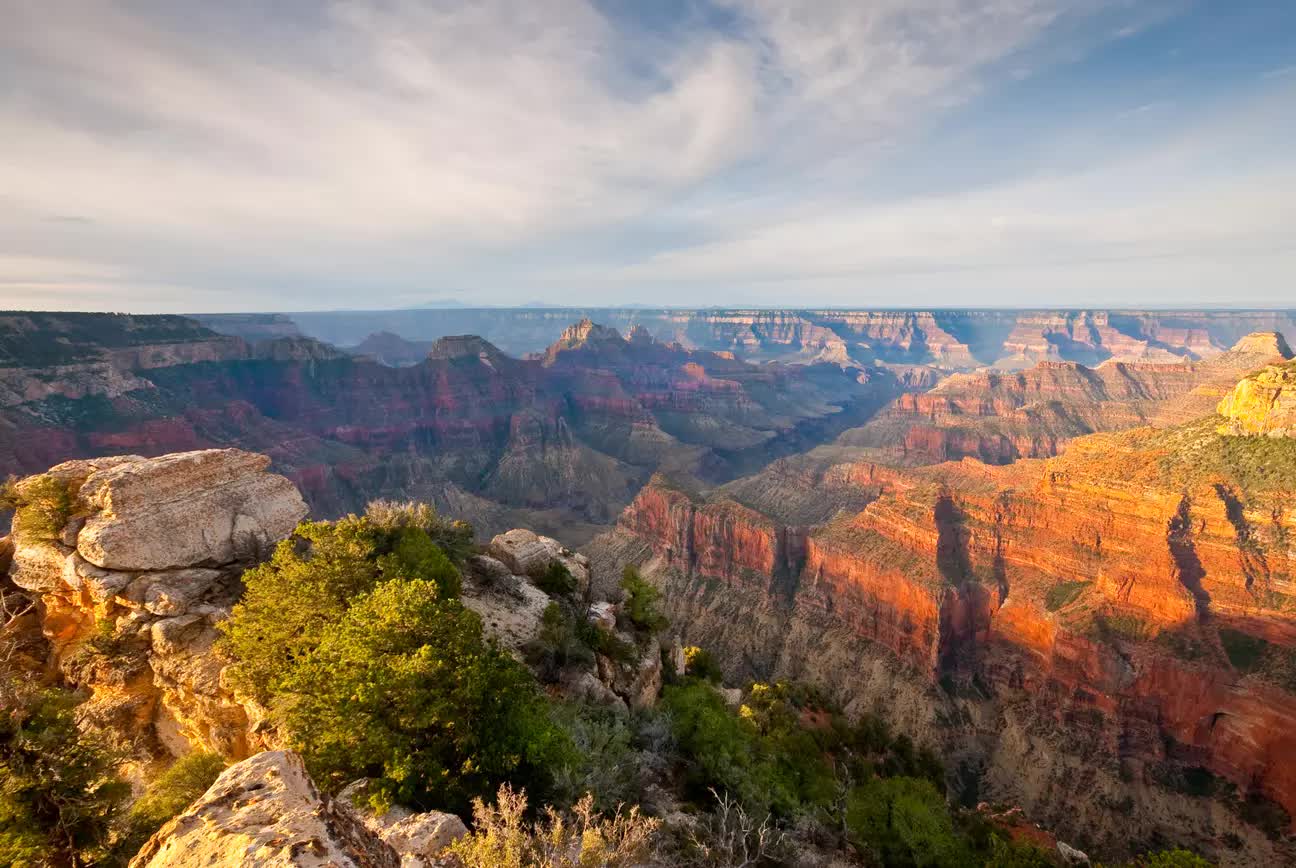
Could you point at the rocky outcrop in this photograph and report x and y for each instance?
(527, 553)
(267, 811)
(147, 561)
(417, 837)
(502, 588)
(1263, 403)
(388, 348)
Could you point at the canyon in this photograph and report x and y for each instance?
(560, 442)
(951, 339)
(1106, 637)
(1054, 546)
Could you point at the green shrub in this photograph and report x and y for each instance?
(719, 749)
(559, 644)
(59, 793)
(604, 763)
(1007, 854)
(308, 584)
(405, 690)
(1121, 625)
(641, 599)
(453, 537)
(903, 821)
(556, 580)
(698, 663)
(1063, 594)
(1171, 859)
(607, 643)
(42, 506)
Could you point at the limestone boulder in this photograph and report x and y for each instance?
(529, 554)
(205, 508)
(511, 612)
(418, 838)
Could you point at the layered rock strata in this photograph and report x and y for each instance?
(130, 590)
(1107, 638)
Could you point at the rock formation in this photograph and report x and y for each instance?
(1105, 637)
(999, 417)
(559, 445)
(267, 811)
(1263, 403)
(144, 564)
(951, 339)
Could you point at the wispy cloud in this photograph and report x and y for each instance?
(315, 150)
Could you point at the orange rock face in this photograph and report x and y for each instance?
(999, 417)
(1138, 589)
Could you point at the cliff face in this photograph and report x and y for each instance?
(1263, 403)
(949, 338)
(144, 563)
(1107, 638)
(999, 417)
(558, 443)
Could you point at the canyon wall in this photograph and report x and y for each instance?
(957, 339)
(999, 416)
(1107, 638)
(561, 442)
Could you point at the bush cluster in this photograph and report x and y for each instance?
(353, 634)
(42, 506)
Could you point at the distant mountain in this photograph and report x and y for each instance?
(443, 304)
(560, 443)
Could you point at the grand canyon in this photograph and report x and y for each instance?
(1054, 548)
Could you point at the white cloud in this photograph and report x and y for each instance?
(386, 144)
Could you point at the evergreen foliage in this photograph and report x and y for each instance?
(59, 792)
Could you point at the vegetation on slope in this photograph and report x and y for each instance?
(354, 636)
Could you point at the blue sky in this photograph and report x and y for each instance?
(182, 156)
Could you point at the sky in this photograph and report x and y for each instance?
(189, 156)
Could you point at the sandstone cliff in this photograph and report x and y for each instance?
(1263, 403)
(999, 417)
(1105, 638)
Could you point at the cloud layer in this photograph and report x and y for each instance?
(185, 156)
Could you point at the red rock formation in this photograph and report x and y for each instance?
(999, 417)
(1131, 599)
(573, 435)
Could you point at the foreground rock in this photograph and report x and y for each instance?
(266, 811)
(145, 565)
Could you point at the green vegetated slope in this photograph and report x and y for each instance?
(354, 635)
